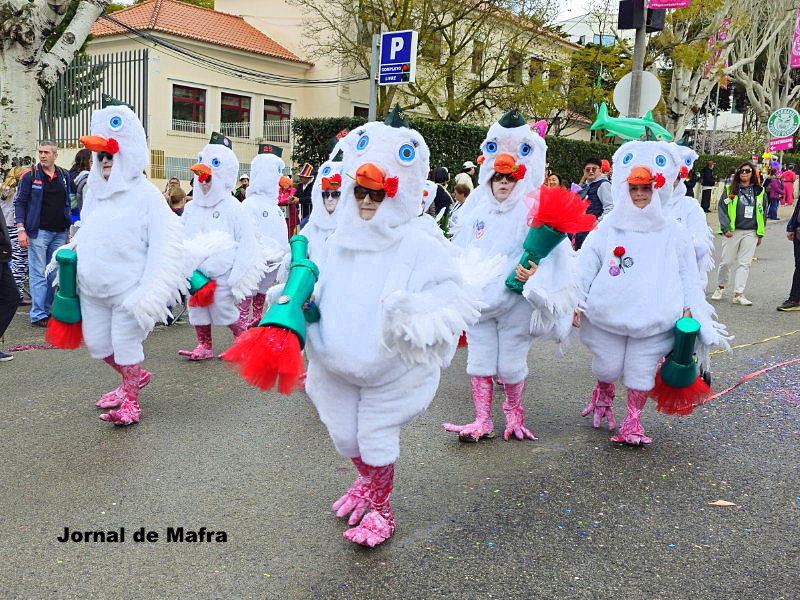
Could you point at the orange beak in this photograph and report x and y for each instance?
(504, 163)
(202, 171)
(640, 176)
(370, 176)
(284, 182)
(97, 143)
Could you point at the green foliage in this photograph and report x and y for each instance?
(596, 70)
(722, 164)
(451, 144)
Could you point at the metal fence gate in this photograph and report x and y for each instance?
(67, 109)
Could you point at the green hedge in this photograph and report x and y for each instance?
(452, 144)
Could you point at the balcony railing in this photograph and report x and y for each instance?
(240, 130)
(276, 130)
(190, 126)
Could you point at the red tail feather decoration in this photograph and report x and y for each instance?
(679, 401)
(66, 336)
(563, 210)
(266, 355)
(205, 295)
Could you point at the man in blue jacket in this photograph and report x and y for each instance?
(42, 209)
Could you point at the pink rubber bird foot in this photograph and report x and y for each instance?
(128, 413)
(115, 397)
(374, 529)
(472, 432)
(632, 439)
(515, 424)
(199, 353)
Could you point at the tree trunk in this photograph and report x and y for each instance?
(28, 71)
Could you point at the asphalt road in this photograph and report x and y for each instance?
(569, 516)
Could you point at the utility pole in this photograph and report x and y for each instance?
(373, 76)
(716, 114)
(639, 47)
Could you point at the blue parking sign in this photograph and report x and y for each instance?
(398, 57)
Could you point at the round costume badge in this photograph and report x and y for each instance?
(612, 262)
(479, 229)
(614, 271)
(215, 214)
(265, 213)
(627, 261)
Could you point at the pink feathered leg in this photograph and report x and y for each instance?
(203, 349)
(378, 525)
(600, 404)
(355, 500)
(129, 412)
(258, 309)
(631, 431)
(482, 426)
(114, 398)
(515, 414)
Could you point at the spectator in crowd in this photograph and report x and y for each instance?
(793, 235)
(443, 200)
(465, 177)
(173, 183)
(177, 200)
(597, 189)
(691, 180)
(305, 179)
(241, 192)
(774, 188)
(554, 180)
(789, 178)
(42, 208)
(461, 192)
(79, 173)
(707, 181)
(741, 221)
(8, 289)
(19, 255)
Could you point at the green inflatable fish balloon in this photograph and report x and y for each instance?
(629, 128)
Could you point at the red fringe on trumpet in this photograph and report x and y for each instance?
(679, 401)
(266, 355)
(66, 336)
(563, 210)
(205, 295)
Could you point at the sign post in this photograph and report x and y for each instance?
(398, 57)
(782, 125)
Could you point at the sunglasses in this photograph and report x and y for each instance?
(745, 170)
(105, 155)
(590, 169)
(334, 194)
(375, 195)
(502, 176)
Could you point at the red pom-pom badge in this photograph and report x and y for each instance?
(390, 185)
(619, 251)
(112, 146)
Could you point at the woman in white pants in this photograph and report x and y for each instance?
(741, 221)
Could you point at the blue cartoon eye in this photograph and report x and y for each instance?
(115, 122)
(491, 147)
(661, 160)
(279, 169)
(688, 162)
(525, 149)
(215, 162)
(326, 171)
(363, 142)
(407, 152)
(627, 158)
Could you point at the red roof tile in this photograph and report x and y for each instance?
(195, 23)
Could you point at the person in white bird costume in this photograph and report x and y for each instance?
(326, 198)
(261, 207)
(229, 276)
(393, 302)
(132, 261)
(494, 221)
(638, 277)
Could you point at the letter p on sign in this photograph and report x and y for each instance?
(396, 46)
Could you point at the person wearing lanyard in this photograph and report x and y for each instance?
(741, 221)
